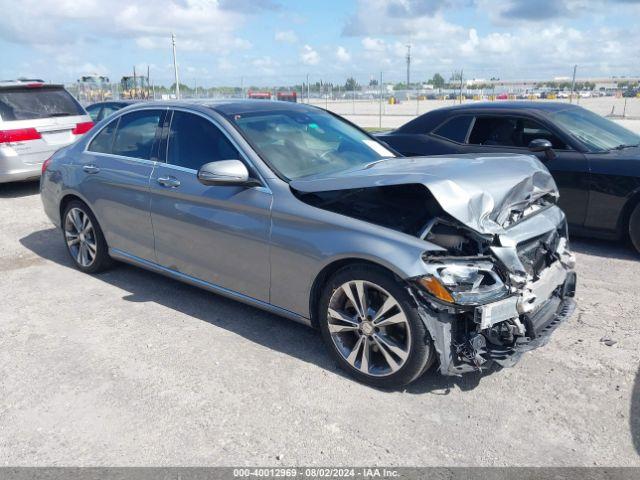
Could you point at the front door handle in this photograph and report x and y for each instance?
(171, 182)
(90, 169)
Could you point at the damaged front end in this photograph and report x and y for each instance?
(496, 277)
(492, 307)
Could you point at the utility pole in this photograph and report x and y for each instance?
(380, 105)
(241, 87)
(408, 65)
(461, 72)
(308, 88)
(175, 66)
(353, 103)
(573, 83)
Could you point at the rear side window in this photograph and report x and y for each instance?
(104, 140)
(38, 102)
(455, 129)
(194, 141)
(136, 134)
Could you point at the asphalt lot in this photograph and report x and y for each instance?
(131, 368)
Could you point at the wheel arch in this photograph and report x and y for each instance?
(625, 215)
(331, 268)
(68, 198)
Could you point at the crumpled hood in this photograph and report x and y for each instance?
(479, 191)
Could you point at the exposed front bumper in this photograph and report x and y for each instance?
(500, 332)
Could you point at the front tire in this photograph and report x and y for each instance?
(84, 239)
(634, 228)
(372, 327)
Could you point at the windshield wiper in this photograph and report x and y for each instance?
(622, 146)
(59, 114)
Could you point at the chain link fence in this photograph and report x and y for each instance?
(376, 102)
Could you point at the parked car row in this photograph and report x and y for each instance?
(454, 250)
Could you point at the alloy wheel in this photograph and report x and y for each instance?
(369, 328)
(80, 237)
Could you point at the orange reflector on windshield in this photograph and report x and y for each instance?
(435, 288)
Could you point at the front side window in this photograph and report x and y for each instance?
(194, 141)
(594, 131)
(515, 132)
(455, 129)
(298, 144)
(136, 134)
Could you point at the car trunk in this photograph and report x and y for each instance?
(35, 121)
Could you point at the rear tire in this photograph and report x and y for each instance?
(380, 341)
(84, 239)
(634, 228)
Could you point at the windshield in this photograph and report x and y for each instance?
(594, 131)
(299, 144)
(29, 103)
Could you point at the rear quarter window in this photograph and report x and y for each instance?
(455, 129)
(39, 102)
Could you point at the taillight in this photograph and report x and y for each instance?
(45, 164)
(19, 135)
(81, 128)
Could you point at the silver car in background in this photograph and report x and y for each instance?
(398, 261)
(36, 119)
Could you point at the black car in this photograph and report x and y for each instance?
(101, 110)
(594, 161)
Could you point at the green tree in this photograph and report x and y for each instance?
(437, 81)
(350, 84)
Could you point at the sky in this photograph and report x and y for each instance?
(279, 42)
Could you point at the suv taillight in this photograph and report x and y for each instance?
(19, 135)
(45, 164)
(81, 128)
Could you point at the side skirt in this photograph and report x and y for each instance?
(154, 267)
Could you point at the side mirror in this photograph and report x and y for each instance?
(542, 145)
(224, 172)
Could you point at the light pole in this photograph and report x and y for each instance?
(175, 66)
(573, 83)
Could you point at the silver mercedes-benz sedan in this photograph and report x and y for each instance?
(397, 261)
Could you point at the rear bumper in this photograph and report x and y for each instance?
(14, 168)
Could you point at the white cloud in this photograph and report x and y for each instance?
(198, 24)
(266, 65)
(343, 55)
(309, 56)
(286, 36)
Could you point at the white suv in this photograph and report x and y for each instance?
(36, 119)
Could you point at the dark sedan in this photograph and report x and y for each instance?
(594, 161)
(101, 110)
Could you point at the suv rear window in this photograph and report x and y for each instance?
(40, 102)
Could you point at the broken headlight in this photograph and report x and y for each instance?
(464, 283)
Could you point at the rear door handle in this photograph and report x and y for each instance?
(171, 182)
(90, 169)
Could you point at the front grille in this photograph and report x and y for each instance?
(539, 253)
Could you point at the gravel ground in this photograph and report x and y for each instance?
(131, 368)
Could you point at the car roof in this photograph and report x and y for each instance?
(430, 120)
(233, 106)
(513, 105)
(117, 102)
(28, 83)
